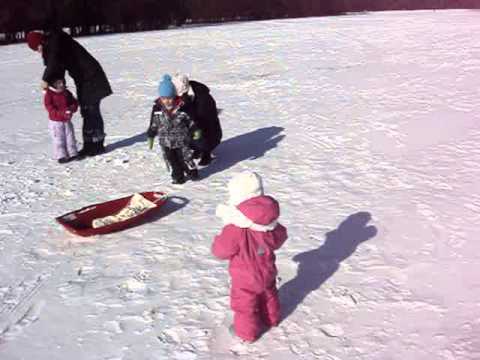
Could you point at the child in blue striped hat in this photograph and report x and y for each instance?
(175, 129)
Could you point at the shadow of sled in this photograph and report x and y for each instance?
(318, 265)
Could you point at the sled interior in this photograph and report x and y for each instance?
(79, 221)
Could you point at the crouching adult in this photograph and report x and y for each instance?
(201, 106)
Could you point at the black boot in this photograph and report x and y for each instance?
(96, 149)
(192, 174)
(206, 159)
(86, 150)
(178, 180)
(196, 154)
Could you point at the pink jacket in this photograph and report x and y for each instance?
(249, 242)
(60, 104)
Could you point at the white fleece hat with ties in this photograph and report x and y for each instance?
(244, 186)
(181, 83)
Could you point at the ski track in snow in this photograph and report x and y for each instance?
(350, 118)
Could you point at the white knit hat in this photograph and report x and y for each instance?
(244, 186)
(181, 83)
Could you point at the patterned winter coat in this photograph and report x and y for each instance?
(174, 128)
(58, 102)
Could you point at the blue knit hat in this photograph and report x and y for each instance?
(166, 87)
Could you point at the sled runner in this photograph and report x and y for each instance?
(113, 215)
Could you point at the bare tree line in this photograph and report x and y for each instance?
(87, 17)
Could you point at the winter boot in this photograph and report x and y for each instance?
(178, 177)
(179, 180)
(96, 149)
(196, 154)
(206, 159)
(193, 174)
(77, 157)
(231, 330)
(63, 160)
(86, 150)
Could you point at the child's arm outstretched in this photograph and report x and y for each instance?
(152, 130)
(225, 245)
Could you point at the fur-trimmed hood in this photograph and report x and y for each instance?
(248, 206)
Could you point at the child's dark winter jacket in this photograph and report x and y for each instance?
(174, 128)
(60, 104)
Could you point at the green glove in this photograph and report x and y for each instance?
(197, 134)
(150, 143)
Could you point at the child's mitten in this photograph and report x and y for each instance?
(197, 134)
(150, 143)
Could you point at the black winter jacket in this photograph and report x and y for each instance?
(62, 53)
(203, 110)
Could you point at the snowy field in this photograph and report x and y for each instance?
(365, 127)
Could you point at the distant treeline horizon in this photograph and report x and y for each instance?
(90, 17)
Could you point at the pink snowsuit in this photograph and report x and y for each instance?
(60, 106)
(253, 296)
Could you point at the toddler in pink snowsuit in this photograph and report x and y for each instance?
(249, 238)
(61, 104)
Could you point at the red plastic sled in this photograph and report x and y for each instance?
(79, 222)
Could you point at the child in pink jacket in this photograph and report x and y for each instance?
(61, 104)
(248, 240)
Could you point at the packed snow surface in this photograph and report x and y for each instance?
(365, 127)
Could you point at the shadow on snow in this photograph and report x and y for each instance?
(318, 265)
(248, 146)
(141, 137)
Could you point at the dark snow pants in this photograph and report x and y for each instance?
(93, 128)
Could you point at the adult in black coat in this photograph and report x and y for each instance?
(202, 108)
(62, 53)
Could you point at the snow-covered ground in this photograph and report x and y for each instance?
(365, 127)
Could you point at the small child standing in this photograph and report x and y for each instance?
(61, 104)
(248, 240)
(175, 129)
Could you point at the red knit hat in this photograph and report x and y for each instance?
(34, 39)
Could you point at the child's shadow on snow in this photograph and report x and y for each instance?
(318, 265)
(141, 137)
(251, 145)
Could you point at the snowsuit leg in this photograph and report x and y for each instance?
(71, 142)
(177, 164)
(93, 127)
(246, 319)
(57, 131)
(270, 306)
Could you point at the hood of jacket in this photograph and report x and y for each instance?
(259, 213)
